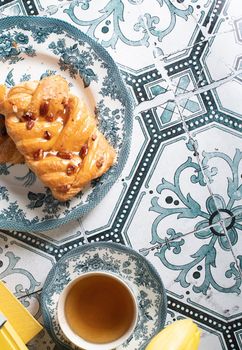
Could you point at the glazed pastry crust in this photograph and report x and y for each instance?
(57, 136)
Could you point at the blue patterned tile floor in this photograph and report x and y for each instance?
(178, 200)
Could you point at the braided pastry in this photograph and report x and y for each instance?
(57, 136)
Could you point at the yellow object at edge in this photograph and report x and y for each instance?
(180, 335)
(9, 339)
(19, 317)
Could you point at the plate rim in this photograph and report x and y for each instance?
(82, 249)
(128, 124)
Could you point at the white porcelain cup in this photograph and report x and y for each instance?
(76, 339)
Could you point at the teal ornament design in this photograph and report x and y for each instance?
(121, 261)
(12, 269)
(238, 66)
(48, 73)
(234, 188)
(85, 4)
(40, 33)
(25, 77)
(20, 38)
(114, 11)
(192, 145)
(9, 82)
(12, 46)
(14, 213)
(28, 179)
(190, 209)
(135, 2)
(50, 206)
(75, 61)
(107, 119)
(4, 194)
(174, 12)
(4, 169)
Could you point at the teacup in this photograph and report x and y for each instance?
(97, 311)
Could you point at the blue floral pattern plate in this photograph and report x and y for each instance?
(32, 48)
(122, 261)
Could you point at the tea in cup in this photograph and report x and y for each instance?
(97, 311)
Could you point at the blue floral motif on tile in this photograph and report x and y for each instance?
(114, 12)
(11, 269)
(234, 189)
(215, 205)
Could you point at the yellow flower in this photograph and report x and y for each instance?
(180, 335)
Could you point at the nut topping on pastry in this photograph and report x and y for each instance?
(39, 154)
(70, 169)
(47, 135)
(29, 116)
(50, 117)
(83, 152)
(44, 107)
(64, 155)
(29, 124)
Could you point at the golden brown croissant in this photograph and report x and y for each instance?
(57, 136)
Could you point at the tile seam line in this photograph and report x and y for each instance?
(160, 100)
(153, 41)
(159, 245)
